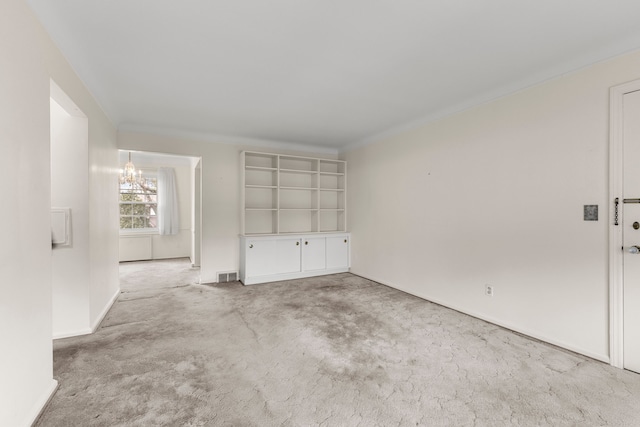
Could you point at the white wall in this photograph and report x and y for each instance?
(156, 246)
(220, 193)
(25, 253)
(28, 60)
(70, 189)
(495, 195)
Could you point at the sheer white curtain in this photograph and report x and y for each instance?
(168, 220)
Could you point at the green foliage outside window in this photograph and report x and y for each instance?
(139, 204)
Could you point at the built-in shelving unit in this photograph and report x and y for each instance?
(292, 194)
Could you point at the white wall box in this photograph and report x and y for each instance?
(285, 257)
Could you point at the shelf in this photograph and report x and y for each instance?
(297, 188)
(260, 168)
(261, 221)
(332, 166)
(298, 171)
(283, 194)
(260, 160)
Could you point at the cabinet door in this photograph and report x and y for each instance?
(261, 257)
(288, 256)
(338, 252)
(313, 253)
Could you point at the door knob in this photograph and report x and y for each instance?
(636, 225)
(634, 249)
(250, 246)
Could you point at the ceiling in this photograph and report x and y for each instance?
(328, 74)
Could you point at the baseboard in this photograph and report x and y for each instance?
(292, 276)
(95, 325)
(41, 404)
(541, 337)
(77, 333)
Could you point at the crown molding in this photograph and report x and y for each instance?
(227, 139)
(552, 73)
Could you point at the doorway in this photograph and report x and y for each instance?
(625, 227)
(141, 235)
(69, 216)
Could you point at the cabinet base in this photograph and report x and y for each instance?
(291, 276)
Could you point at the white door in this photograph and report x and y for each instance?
(288, 256)
(261, 257)
(631, 231)
(337, 252)
(313, 254)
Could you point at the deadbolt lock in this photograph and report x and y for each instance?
(636, 225)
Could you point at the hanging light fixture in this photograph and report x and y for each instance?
(128, 174)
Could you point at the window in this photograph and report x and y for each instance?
(139, 203)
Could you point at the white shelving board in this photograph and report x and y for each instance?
(284, 194)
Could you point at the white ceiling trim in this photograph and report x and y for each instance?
(557, 72)
(227, 139)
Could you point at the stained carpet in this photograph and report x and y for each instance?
(330, 351)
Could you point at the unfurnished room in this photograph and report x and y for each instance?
(286, 213)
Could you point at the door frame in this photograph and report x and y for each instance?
(616, 285)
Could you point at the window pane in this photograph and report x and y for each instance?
(125, 222)
(139, 203)
(139, 222)
(138, 209)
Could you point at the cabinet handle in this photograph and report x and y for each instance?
(345, 240)
(250, 246)
(306, 243)
(297, 243)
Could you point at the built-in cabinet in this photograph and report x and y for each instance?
(272, 258)
(294, 217)
(292, 194)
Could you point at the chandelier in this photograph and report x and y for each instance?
(129, 175)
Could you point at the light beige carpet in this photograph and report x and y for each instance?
(330, 351)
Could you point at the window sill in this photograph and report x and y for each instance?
(141, 232)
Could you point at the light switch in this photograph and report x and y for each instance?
(590, 212)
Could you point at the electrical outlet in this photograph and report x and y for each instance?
(488, 290)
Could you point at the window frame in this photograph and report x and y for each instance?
(147, 173)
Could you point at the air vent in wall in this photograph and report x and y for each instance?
(227, 276)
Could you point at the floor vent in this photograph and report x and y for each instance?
(227, 276)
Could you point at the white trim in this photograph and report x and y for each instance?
(553, 73)
(95, 325)
(139, 232)
(541, 337)
(291, 276)
(227, 139)
(616, 298)
(69, 334)
(41, 404)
